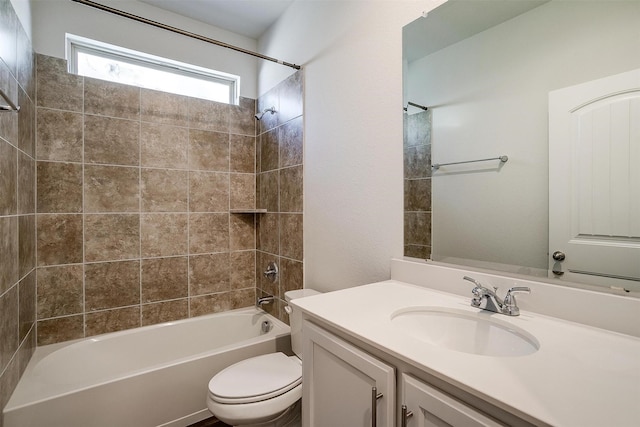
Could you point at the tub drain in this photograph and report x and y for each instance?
(266, 326)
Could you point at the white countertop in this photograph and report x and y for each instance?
(580, 376)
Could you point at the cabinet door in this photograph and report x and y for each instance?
(340, 383)
(433, 408)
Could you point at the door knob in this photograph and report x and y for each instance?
(558, 256)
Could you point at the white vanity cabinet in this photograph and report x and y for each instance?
(353, 332)
(426, 406)
(344, 386)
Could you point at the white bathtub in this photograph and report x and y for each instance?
(151, 376)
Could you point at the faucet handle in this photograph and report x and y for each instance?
(510, 305)
(472, 280)
(479, 286)
(479, 290)
(510, 299)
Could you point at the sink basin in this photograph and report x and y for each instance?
(465, 331)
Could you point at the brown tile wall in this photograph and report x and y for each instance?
(280, 190)
(417, 185)
(134, 192)
(17, 204)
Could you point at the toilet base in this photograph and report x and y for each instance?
(291, 417)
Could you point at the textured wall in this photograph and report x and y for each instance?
(17, 203)
(134, 192)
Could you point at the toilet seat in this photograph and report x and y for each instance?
(256, 379)
(256, 412)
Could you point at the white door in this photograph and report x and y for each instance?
(594, 182)
(342, 386)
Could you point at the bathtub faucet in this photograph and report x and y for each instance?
(264, 300)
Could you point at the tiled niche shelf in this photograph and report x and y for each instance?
(247, 211)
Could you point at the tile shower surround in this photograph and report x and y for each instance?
(134, 189)
(279, 161)
(17, 204)
(74, 121)
(134, 192)
(417, 185)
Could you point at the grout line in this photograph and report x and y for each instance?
(229, 206)
(130, 213)
(210, 171)
(189, 210)
(146, 258)
(35, 188)
(188, 126)
(84, 292)
(140, 270)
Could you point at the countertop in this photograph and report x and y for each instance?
(580, 376)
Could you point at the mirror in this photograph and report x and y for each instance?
(484, 70)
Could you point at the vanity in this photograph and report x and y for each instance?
(412, 351)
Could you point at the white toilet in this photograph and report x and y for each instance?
(263, 390)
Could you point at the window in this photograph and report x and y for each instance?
(99, 60)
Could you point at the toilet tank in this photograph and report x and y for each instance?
(295, 318)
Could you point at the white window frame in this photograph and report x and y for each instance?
(76, 44)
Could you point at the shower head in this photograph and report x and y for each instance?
(271, 110)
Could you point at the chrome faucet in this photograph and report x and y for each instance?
(487, 299)
(264, 300)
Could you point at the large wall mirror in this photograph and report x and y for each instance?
(533, 114)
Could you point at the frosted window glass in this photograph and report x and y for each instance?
(93, 58)
(119, 71)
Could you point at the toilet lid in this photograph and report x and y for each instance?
(257, 378)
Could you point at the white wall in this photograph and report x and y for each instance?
(53, 18)
(351, 52)
(490, 97)
(23, 10)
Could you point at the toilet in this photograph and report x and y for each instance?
(264, 390)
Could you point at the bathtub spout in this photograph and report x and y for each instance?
(264, 300)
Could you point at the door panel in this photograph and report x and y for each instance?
(594, 181)
(338, 382)
(430, 407)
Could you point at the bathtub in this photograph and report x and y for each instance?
(151, 376)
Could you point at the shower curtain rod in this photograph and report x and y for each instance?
(182, 32)
(415, 105)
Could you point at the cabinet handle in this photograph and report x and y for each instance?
(374, 405)
(405, 416)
